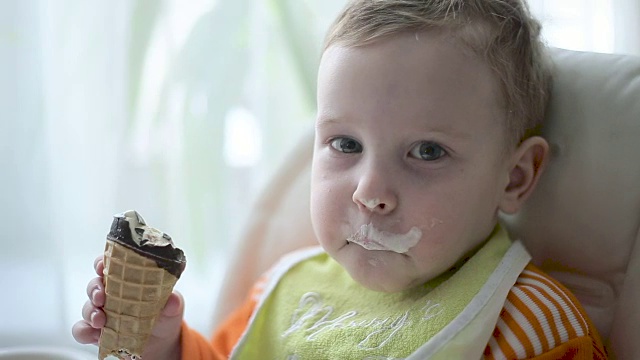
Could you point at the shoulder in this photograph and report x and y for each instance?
(539, 315)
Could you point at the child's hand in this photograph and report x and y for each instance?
(164, 342)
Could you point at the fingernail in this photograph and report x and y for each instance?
(92, 317)
(94, 293)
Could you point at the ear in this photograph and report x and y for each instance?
(526, 165)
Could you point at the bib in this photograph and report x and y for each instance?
(314, 310)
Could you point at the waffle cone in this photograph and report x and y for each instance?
(136, 291)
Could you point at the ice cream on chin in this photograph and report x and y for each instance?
(371, 238)
(141, 267)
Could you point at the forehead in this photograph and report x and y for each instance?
(424, 75)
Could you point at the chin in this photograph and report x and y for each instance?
(375, 272)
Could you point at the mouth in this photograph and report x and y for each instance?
(367, 243)
(373, 239)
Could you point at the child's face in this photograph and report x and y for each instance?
(410, 147)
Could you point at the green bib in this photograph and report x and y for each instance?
(316, 311)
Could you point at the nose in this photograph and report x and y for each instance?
(374, 194)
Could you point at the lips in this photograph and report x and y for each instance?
(366, 243)
(373, 239)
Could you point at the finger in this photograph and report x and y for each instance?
(85, 333)
(93, 316)
(95, 292)
(98, 264)
(87, 310)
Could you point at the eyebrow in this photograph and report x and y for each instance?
(443, 129)
(449, 131)
(322, 122)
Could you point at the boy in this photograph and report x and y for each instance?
(427, 112)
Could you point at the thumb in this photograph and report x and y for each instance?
(174, 306)
(170, 320)
(165, 336)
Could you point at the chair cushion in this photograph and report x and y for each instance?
(581, 224)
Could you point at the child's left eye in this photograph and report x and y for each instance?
(427, 151)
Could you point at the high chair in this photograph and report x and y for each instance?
(581, 224)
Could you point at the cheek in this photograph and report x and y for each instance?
(331, 208)
(473, 192)
(467, 214)
(318, 208)
(323, 204)
(451, 215)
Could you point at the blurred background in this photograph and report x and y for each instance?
(180, 109)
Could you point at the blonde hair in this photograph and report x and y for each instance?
(502, 32)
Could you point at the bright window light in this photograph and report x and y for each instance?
(584, 25)
(242, 138)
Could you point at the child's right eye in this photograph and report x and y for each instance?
(345, 145)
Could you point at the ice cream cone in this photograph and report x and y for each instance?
(137, 287)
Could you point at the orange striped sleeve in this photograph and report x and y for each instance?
(541, 319)
(229, 333)
(195, 347)
(568, 320)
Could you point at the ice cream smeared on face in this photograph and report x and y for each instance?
(371, 238)
(142, 234)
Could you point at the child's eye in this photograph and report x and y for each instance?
(428, 151)
(346, 145)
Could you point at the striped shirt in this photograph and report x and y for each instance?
(540, 318)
